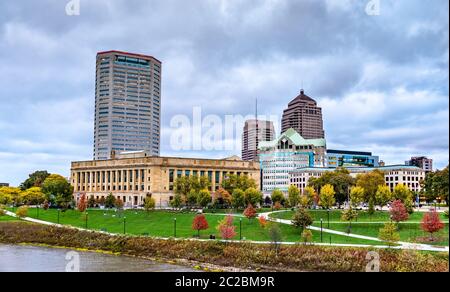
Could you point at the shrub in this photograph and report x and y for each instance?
(149, 204)
(82, 203)
(389, 233)
(262, 222)
(226, 228)
(307, 236)
(250, 212)
(275, 237)
(277, 206)
(22, 212)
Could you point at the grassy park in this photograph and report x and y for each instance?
(162, 224)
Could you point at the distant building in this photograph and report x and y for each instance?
(127, 104)
(255, 131)
(304, 116)
(410, 176)
(4, 185)
(133, 176)
(285, 154)
(343, 158)
(421, 162)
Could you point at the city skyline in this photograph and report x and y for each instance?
(365, 91)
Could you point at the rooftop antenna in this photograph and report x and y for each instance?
(256, 118)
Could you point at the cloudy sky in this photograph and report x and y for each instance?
(382, 80)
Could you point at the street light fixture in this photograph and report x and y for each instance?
(240, 228)
(86, 223)
(124, 225)
(321, 230)
(175, 227)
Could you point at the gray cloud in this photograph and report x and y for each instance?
(382, 80)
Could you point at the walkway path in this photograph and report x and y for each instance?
(403, 245)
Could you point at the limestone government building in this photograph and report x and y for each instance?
(133, 176)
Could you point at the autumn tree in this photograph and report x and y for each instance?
(91, 202)
(389, 233)
(22, 212)
(340, 179)
(250, 212)
(226, 228)
(58, 190)
(149, 204)
(398, 212)
(82, 203)
(327, 199)
(36, 179)
(356, 196)
(200, 223)
(308, 198)
(33, 196)
(262, 221)
(383, 196)
(370, 182)
(302, 219)
(293, 196)
(277, 206)
(431, 223)
(402, 193)
(232, 182)
(222, 198)
(10, 195)
(119, 204)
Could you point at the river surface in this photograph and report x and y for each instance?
(15, 258)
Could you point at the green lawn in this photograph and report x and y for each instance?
(335, 215)
(7, 218)
(161, 224)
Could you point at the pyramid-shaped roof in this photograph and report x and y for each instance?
(295, 138)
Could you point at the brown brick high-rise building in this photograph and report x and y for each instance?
(304, 116)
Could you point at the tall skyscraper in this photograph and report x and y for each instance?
(304, 116)
(127, 104)
(255, 131)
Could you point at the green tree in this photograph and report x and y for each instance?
(57, 189)
(389, 233)
(192, 198)
(149, 204)
(383, 195)
(36, 179)
(252, 196)
(327, 199)
(33, 196)
(356, 196)
(234, 181)
(91, 202)
(340, 179)
(293, 195)
(302, 219)
(436, 185)
(204, 198)
(349, 215)
(277, 196)
(110, 201)
(370, 182)
(238, 199)
(177, 201)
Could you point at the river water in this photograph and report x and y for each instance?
(15, 258)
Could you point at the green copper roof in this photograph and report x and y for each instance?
(295, 138)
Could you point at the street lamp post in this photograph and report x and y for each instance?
(328, 218)
(175, 227)
(86, 218)
(321, 229)
(58, 215)
(240, 228)
(37, 210)
(124, 225)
